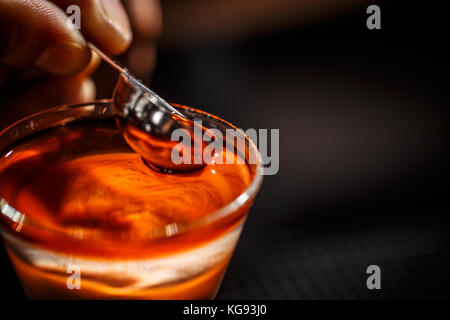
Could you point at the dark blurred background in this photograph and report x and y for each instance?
(363, 119)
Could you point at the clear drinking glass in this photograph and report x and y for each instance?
(97, 257)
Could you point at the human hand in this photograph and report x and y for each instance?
(44, 62)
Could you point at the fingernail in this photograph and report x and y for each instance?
(64, 59)
(116, 16)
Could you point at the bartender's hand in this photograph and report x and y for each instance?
(44, 62)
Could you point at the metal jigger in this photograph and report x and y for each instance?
(147, 122)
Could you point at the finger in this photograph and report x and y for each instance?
(104, 22)
(95, 62)
(12, 77)
(35, 32)
(146, 18)
(53, 92)
(141, 59)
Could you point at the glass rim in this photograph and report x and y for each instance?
(153, 232)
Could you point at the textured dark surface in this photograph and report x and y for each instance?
(363, 179)
(292, 265)
(364, 175)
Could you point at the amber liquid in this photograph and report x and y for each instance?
(94, 203)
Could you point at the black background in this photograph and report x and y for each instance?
(363, 152)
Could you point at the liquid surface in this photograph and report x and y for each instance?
(83, 177)
(86, 176)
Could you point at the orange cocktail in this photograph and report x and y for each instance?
(83, 216)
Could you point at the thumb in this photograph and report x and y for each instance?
(35, 32)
